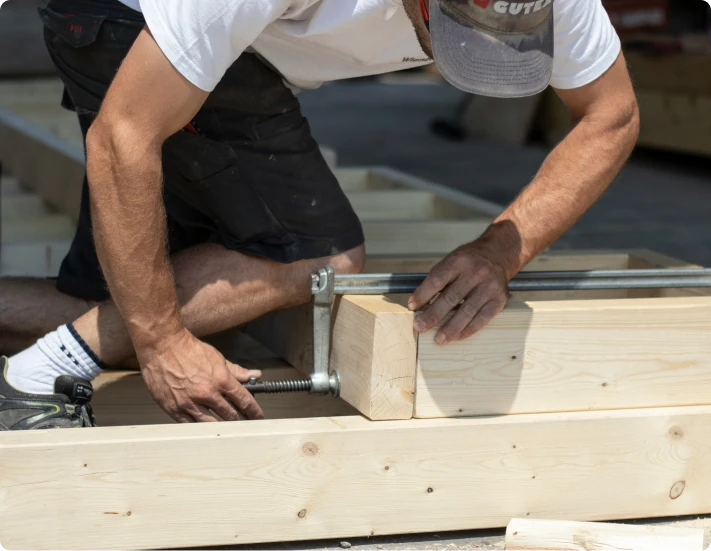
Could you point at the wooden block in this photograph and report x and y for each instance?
(373, 349)
(417, 237)
(562, 535)
(55, 227)
(299, 479)
(571, 356)
(374, 352)
(32, 259)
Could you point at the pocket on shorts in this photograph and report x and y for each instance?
(207, 175)
(77, 30)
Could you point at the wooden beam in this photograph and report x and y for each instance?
(562, 535)
(409, 237)
(571, 356)
(57, 178)
(32, 259)
(239, 483)
(392, 205)
(374, 351)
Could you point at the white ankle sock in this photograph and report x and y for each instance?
(62, 352)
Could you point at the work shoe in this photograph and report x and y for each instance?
(67, 408)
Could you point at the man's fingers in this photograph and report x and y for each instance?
(450, 297)
(464, 315)
(199, 414)
(485, 315)
(225, 409)
(243, 401)
(242, 374)
(440, 276)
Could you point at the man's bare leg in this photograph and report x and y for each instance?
(217, 289)
(32, 307)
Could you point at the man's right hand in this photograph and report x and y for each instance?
(192, 382)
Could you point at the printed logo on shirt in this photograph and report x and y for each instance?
(1, 3)
(521, 8)
(415, 59)
(484, 3)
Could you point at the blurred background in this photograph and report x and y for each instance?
(415, 122)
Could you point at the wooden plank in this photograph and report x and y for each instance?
(562, 535)
(417, 237)
(392, 204)
(373, 349)
(32, 259)
(571, 356)
(57, 178)
(385, 178)
(300, 479)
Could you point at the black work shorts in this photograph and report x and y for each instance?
(246, 173)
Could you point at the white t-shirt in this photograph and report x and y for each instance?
(314, 41)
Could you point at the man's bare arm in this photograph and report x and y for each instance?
(148, 101)
(571, 180)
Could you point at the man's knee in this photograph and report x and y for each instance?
(349, 262)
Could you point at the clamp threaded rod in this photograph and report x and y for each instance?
(278, 387)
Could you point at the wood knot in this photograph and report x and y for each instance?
(309, 448)
(430, 490)
(677, 489)
(301, 514)
(604, 384)
(387, 467)
(676, 433)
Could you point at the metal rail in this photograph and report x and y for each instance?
(383, 284)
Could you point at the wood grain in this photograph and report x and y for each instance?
(237, 483)
(572, 356)
(374, 351)
(562, 535)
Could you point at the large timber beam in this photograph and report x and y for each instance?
(264, 481)
(570, 356)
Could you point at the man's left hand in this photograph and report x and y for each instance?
(469, 283)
